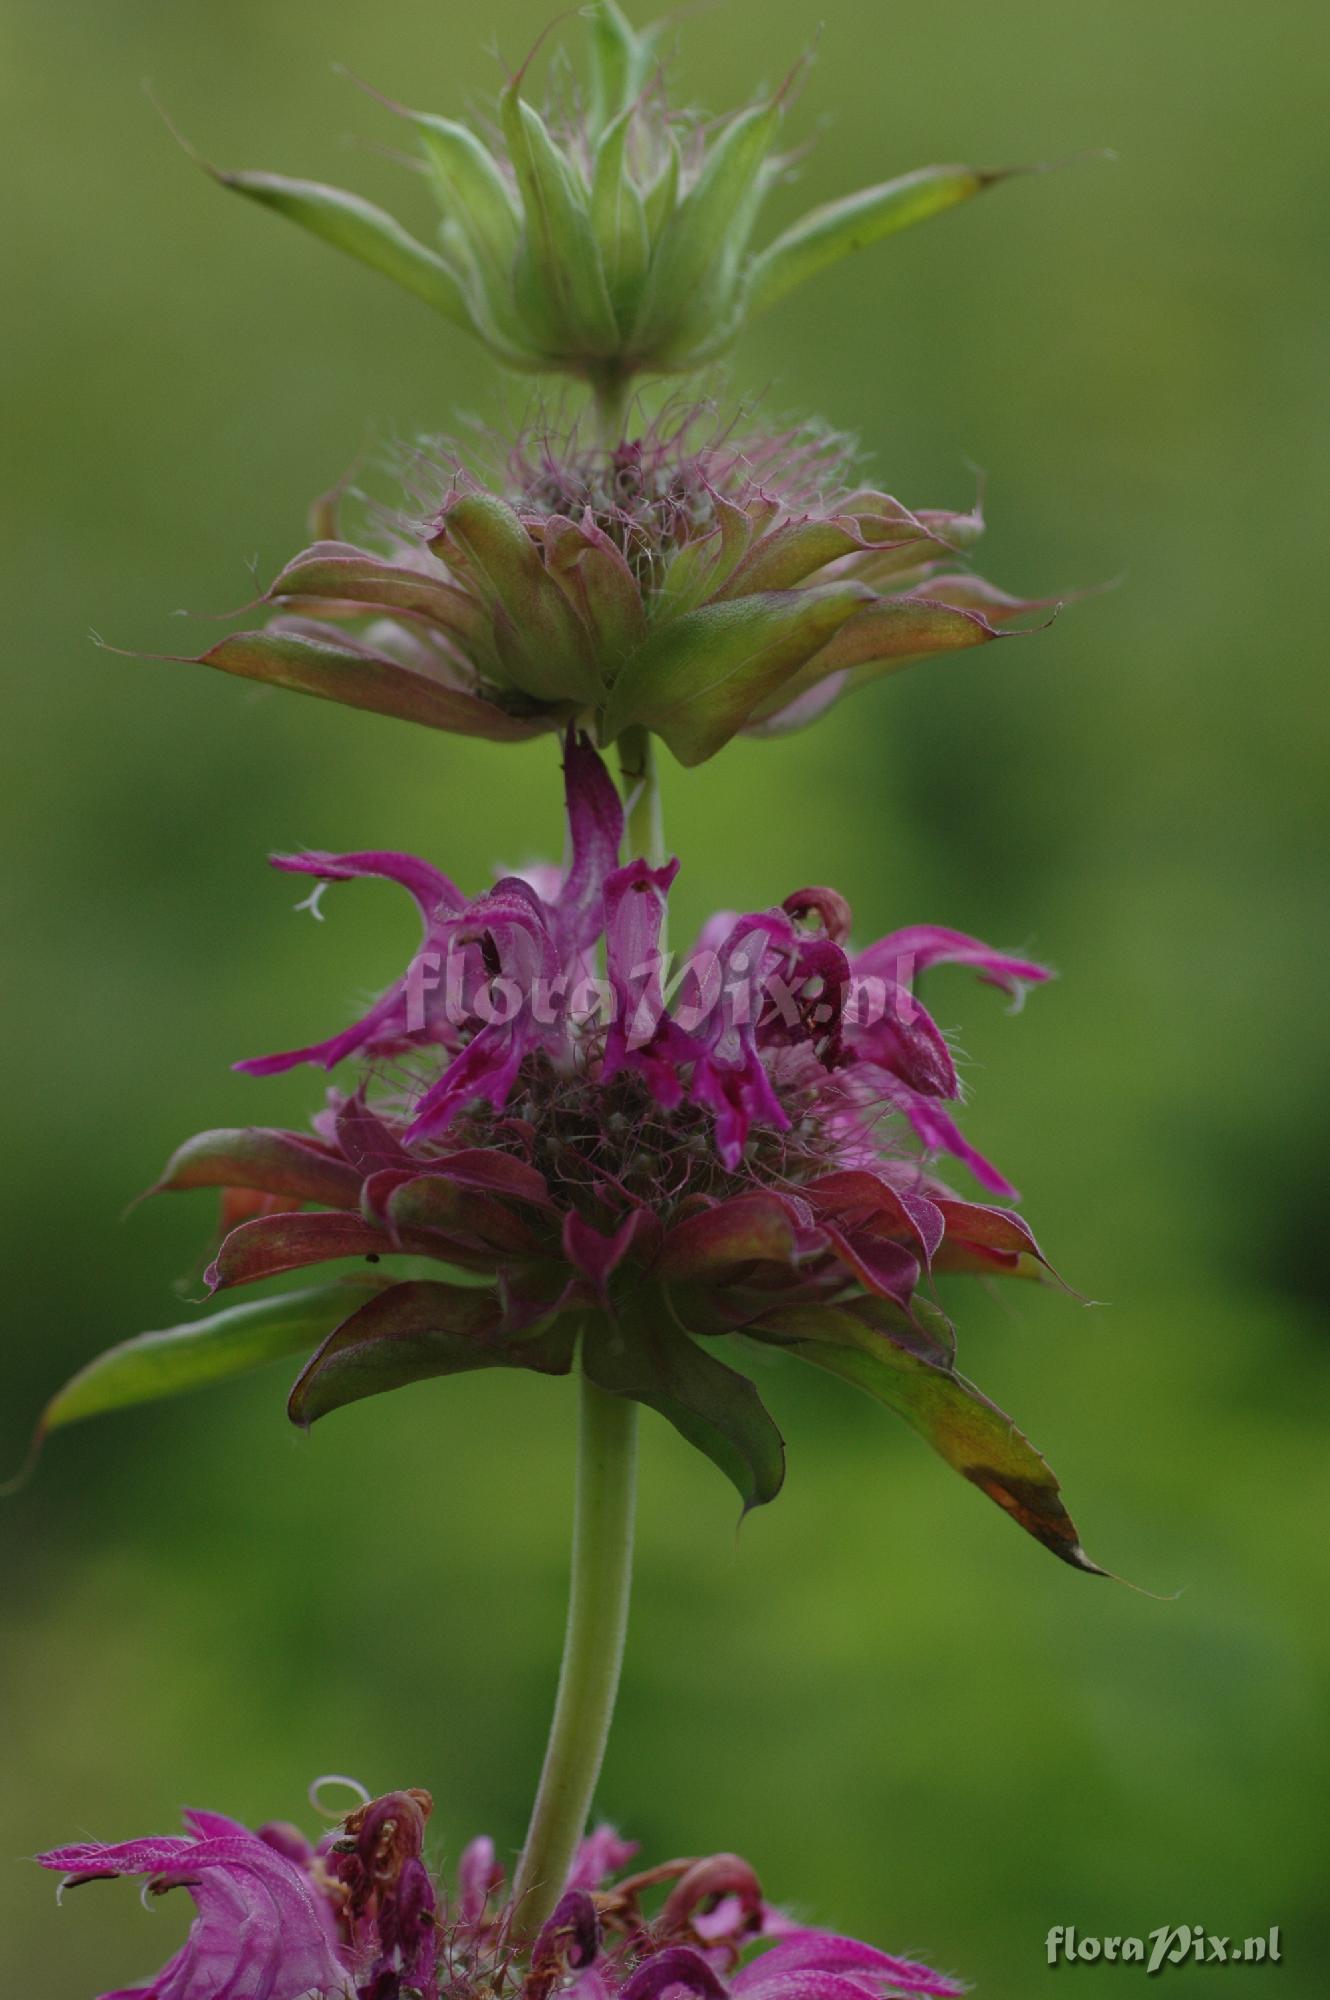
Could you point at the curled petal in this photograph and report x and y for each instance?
(704, 1884)
(677, 1965)
(598, 1256)
(862, 1197)
(569, 1939)
(635, 900)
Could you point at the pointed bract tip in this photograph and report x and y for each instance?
(16, 1483)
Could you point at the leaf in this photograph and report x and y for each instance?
(874, 1346)
(697, 679)
(700, 249)
(335, 670)
(412, 1333)
(338, 573)
(439, 1204)
(561, 268)
(365, 232)
(642, 1352)
(744, 1229)
(788, 554)
(475, 195)
(825, 235)
(620, 58)
(255, 1156)
(272, 1244)
(546, 651)
(882, 638)
(618, 217)
(232, 1342)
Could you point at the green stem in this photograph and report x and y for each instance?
(641, 790)
(602, 1542)
(592, 1653)
(610, 396)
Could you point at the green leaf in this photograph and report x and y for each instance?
(338, 574)
(695, 269)
(560, 284)
(618, 217)
(475, 195)
(882, 638)
(231, 1342)
(335, 669)
(643, 1352)
(620, 58)
(698, 679)
(414, 1332)
(542, 642)
(788, 554)
(879, 1349)
(365, 232)
(825, 235)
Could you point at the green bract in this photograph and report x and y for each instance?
(611, 234)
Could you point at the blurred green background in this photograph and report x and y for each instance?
(920, 1727)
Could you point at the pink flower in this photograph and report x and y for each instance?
(637, 1169)
(264, 1930)
(360, 1917)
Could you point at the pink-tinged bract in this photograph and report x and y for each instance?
(690, 581)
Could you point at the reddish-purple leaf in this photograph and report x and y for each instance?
(259, 1157)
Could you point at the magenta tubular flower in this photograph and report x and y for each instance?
(360, 1917)
(635, 1176)
(263, 1931)
(694, 585)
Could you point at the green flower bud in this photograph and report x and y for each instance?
(610, 235)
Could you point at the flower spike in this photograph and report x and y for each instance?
(631, 1165)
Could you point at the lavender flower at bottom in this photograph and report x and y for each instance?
(361, 1917)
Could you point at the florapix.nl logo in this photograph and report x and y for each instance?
(1168, 1945)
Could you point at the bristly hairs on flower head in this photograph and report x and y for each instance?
(695, 580)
